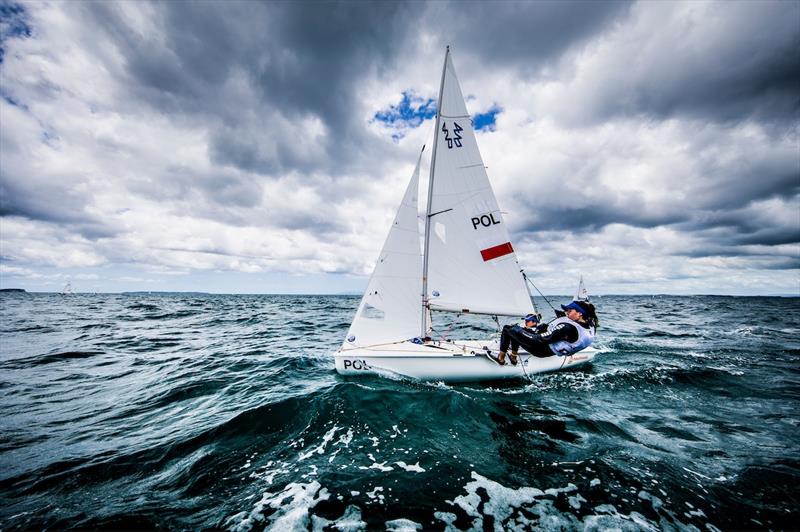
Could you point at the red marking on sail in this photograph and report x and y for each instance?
(496, 251)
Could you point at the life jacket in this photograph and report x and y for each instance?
(565, 348)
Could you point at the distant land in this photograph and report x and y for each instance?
(20, 290)
(164, 293)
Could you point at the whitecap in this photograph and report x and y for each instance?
(381, 466)
(505, 505)
(415, 468)
(402, 525)
(291, 515)
(345, 439)
(350, 521)
(320, 449)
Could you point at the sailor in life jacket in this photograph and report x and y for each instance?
(571, 331)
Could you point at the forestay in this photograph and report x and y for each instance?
(390, 309)
(471, 262)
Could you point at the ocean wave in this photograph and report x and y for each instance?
(50, 358)
(661, 333)
(483, 504)
(41, 329)
(218, 411)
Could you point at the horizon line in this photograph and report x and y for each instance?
(196, 292)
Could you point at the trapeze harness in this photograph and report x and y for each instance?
(565, 348)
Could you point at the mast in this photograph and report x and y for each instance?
(430, 199)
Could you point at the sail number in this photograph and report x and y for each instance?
(486, 220)
(456, 139)
(356, 364)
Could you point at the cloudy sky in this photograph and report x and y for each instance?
(652, 147)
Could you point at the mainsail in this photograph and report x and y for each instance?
(390, 309)
(471, 264)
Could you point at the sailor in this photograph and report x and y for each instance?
(531, 323)
(564, 336)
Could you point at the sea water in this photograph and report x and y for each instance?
(224, 411)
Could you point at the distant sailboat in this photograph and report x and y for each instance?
(581, 294)
(67, 290)
(468, 265)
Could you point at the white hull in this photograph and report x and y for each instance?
(457, 361)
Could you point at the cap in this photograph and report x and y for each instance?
(577, 306)
(532, 317)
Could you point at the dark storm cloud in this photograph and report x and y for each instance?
(301, 60)
(14, 23)
(750, 201)
(525, 35)
(761, 225)
(591, 217)
(770, 236)
(726, 62)
(325, 49)
(67, 210)
(217, 185)
(754, 259)
(305, 60)
(174, 69)
(237, 199)
(722, 232)
(753, 177)
(788, 263)
(44, 197)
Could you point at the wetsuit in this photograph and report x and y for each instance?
(547, 339)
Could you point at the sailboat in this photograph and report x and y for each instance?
(581, 294)
(67, 290)
(467, 266)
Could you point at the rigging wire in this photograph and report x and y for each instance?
(535, 308)
(540, 292)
